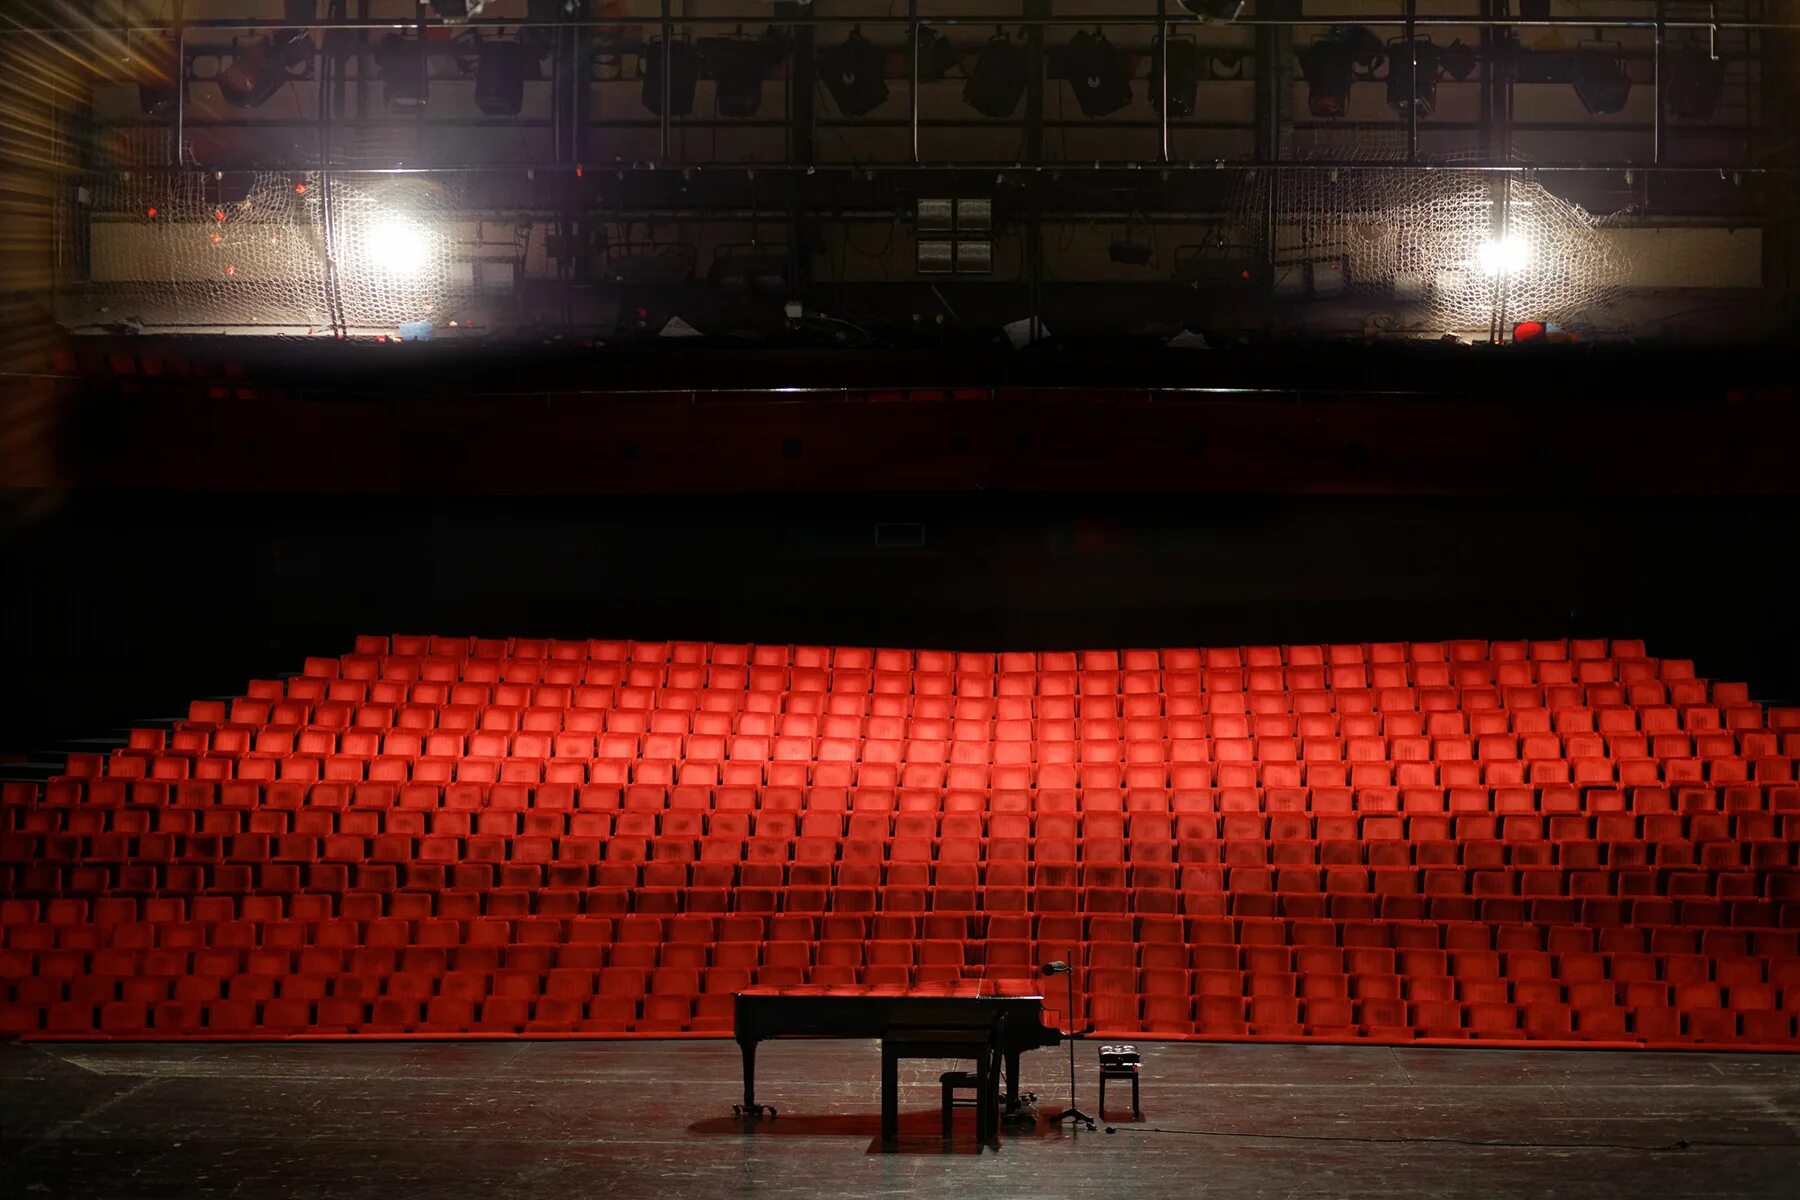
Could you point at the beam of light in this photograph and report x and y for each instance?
(1508, 255)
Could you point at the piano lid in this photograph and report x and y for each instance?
(962, 989)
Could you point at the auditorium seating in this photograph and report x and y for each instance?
(1547, 841)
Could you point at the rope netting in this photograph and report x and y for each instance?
(1448, 248)
(292, 251)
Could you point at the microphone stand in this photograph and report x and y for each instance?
(1071, 1113)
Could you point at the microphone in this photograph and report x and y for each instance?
(1055, 968)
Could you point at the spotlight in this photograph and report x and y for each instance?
(1600, 80)
(1214, 10)
(259, 68)
(1333, 63)
(500, 78)
(397, 246)
(405, 82)
(1183, 63)
(1696, 79)
(458, 10)
(737, 66)
(683, 66)
(1404, 87)
(1508, 255)
(997, 84)
(852, 72)
(1096, 71)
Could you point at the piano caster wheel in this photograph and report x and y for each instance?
(753, 1111)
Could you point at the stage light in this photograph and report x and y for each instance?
(1335, 61)
(1406, 87)
(737, 66)
(1096, 71)
(1696, 80)
(936, 56)
(1600, 80)
(997, 84)
(500, 78)
(405, 82)
(684, 70)
(458, 10)
(398, 246)
(1458, 60)
(1184, 76)
(1214, 10)
(1509, 255)
(259, 68)
(852, 71)
(1327, 68)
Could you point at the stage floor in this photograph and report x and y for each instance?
(652, 1119)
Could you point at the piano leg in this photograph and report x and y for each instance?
(1015, 1111)
(890, 1093)
(750, 1108)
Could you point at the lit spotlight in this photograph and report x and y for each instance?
(397, 245)
(1508, 255)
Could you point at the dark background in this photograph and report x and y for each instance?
(121, 606)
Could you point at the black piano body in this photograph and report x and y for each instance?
(869, 1012)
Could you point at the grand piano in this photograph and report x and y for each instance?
(869, 1012)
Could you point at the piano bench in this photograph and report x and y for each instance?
(953, 1082)
(1120, 1073)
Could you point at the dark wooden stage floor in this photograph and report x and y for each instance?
(651, 1119)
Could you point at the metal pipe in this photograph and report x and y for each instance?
(180, 92)
(988, 167)
(1412, 100)
(933, 123)
(664, 118)
(1380, 20)
(1162, 40)
(912, 12)
(1656, 95)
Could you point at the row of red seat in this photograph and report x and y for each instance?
(369, 646)
(589, 708)
(220, 798)
(378, 950)
(1619, 923)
